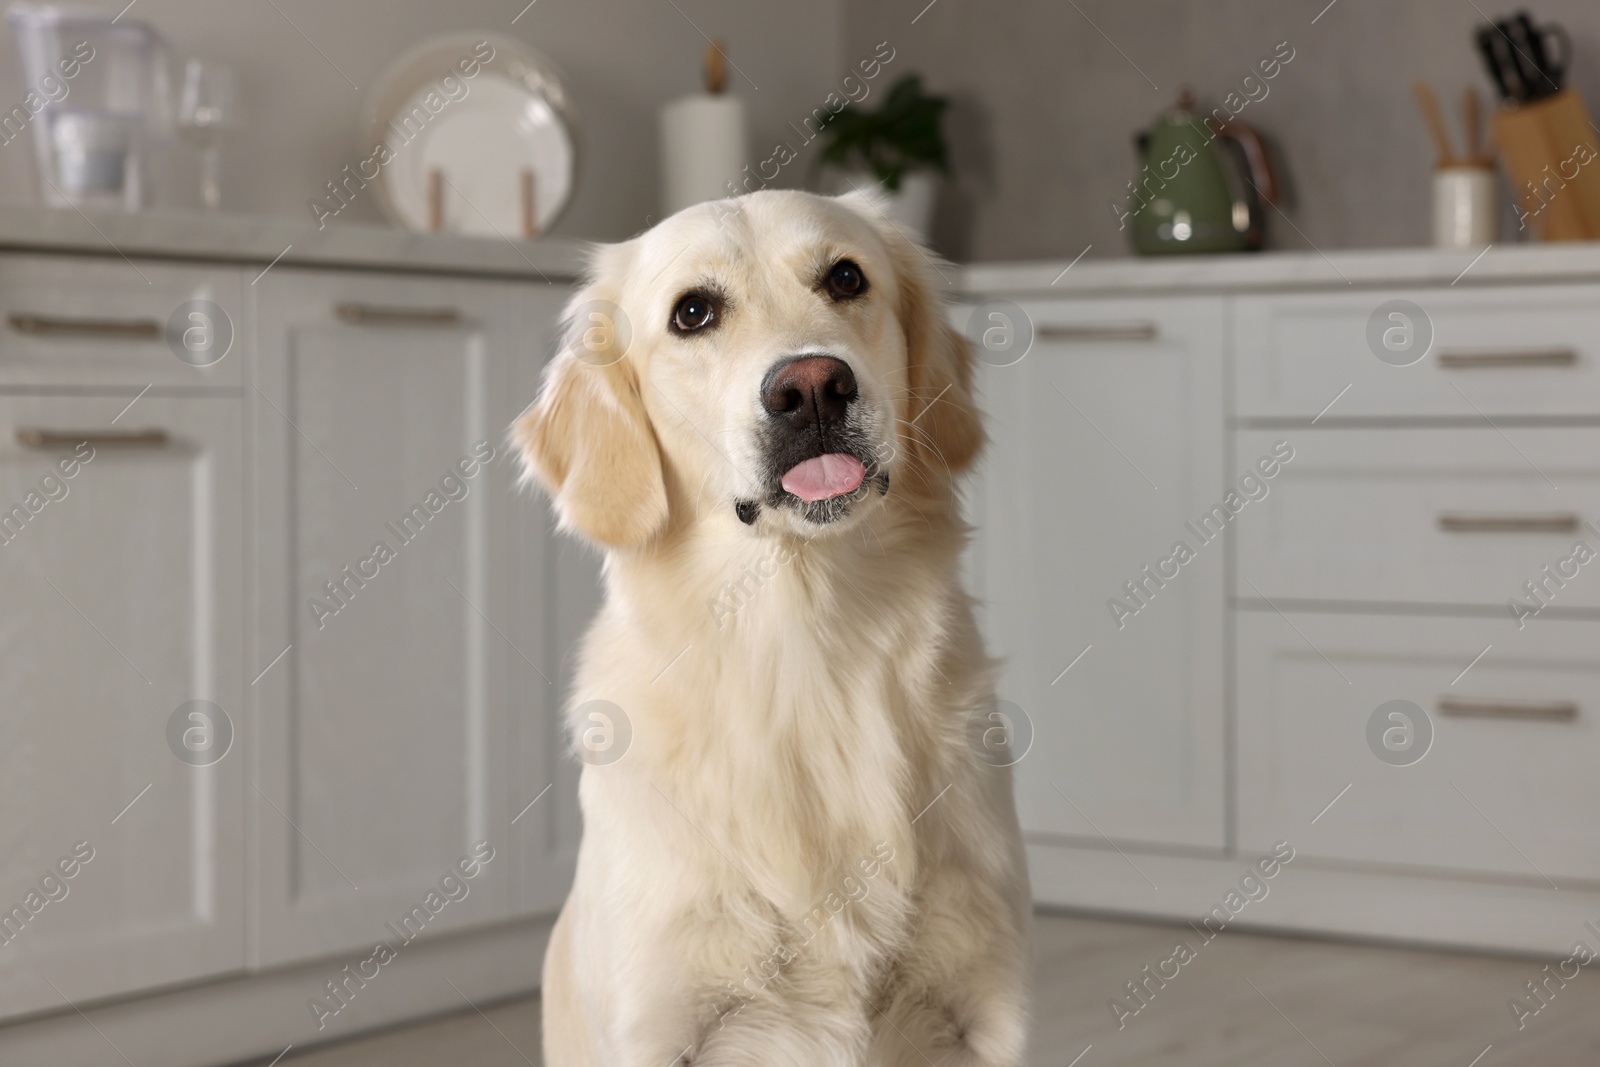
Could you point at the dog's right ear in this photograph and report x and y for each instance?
(588, 439)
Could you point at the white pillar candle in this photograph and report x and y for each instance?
(703, 149)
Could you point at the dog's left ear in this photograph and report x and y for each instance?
(944, 430)
(588, 439)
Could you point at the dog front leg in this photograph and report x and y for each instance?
(958, 996)
(808, 1023)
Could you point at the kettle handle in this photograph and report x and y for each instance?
(1262, 175)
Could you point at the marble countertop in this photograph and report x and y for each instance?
(1286, 271)
(262, 239)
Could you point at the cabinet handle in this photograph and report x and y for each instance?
(374, 315)
(55, 326)
(1528, 357)
(1558, 522)
(1100, 331)
(1526, 710)
(33, 437)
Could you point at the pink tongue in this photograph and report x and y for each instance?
(825, 477)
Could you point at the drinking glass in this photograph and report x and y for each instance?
(206, 112)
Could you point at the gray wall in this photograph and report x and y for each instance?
(622, 58)
(1045, 106)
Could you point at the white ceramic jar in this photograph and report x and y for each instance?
(1466, 209)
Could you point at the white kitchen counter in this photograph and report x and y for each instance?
(247, 239)
(1286, 270)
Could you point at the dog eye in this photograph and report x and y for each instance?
(845, 281)
(694, 312)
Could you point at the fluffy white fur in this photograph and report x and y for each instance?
(762, 878)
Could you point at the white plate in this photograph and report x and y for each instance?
(480, 133)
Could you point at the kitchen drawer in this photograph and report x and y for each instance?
(1508, 792)
(1438, 516)
(105, 322)
(1507, 350)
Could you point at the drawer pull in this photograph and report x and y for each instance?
(1559, 522)
(1528, 710)
(54, 326)
(1101, 331)
(374, 315)
(33, 437)
(1525, 357)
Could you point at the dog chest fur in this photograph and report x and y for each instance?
(808, 727)
(783, 749)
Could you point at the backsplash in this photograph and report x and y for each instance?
(1047, 97)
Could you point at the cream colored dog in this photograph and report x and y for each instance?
(799, 860)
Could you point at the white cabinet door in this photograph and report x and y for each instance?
(557, 583)
(381, 563)
(120, 575)
(1422, 742)
(1107, 439)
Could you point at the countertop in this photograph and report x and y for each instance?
(261, 239)
(1267, 271)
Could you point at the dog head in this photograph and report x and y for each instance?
(779, 360)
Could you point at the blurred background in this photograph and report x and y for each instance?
(1044, 99)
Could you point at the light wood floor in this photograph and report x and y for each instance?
(1246, 1000)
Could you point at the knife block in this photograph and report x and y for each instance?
(1552, 157)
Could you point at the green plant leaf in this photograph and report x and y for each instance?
(903, 134)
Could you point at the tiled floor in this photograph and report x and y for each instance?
(1244, 1001)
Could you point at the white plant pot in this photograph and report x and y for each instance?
(909, 207)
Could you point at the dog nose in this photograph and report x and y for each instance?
(808, 389)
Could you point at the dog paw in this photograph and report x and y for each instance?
(934, 1031)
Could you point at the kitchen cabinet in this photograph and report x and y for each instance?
(1107, 442)
(1384, 662)
(119, 572)
(383, 566)
(237, 739)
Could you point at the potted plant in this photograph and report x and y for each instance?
(899, 147)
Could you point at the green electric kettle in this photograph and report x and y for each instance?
(1204, 186)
